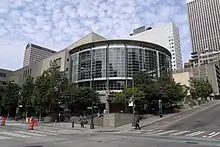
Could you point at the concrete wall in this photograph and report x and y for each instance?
(116, 119)
(18, 76)
(182, 78)
(7, 73)
(60, 55)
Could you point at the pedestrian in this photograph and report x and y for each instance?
(137, 123)
(81, 120)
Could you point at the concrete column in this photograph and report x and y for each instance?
(107, 79)
(158, 65)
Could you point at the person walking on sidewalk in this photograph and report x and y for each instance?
(81, 121)
(137, 123)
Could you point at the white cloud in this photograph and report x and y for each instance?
(56, 24)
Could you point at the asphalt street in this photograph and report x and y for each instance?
(199, 127)
(207, 119)
(19, 136)
(100, 140)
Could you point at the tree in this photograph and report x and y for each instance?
(40, 99)
(126, 96)
(68, 96)
(57, 85)
(10, 97)
(159, 88)
(84, 97)
(200, 88)
(27, 90)
(79, 99)
(49, 88)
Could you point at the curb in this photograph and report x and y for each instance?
(178, 113)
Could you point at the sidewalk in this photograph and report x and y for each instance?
(77, 127)
(143, 123)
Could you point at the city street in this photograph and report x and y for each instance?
(55, 137)
(191, 129)
(203, 124)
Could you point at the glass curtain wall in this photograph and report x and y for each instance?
(120, 58)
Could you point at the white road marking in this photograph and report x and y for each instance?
(180, 133)
(157, 131)
(14, 134)
(195, 133)
(51, 131)
(166, 132)
(213, 135)
(68, 131)
(4, 138)
(29, 133)
(43, 132)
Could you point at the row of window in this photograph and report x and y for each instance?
(87, 63)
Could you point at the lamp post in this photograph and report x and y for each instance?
(18, 105)
(160, 108)
(92, 110)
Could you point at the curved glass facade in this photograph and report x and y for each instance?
(112, 65)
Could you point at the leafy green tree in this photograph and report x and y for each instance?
(49, 89)
(57, 85)
(79, 99)
(126, 96)
(10, 97)
(200, 88)
(27, 90)
(159, 88)
(68, 96)
(39, 97)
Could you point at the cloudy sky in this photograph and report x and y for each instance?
(58, 23)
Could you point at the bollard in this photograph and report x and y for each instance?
(72, 124)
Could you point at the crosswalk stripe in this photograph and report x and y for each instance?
(14, 134)
(213, 135)
(195, 133)
(29, 133)
(151, 132)
(166, 132)
(51, 131)
(180, 133)
(4, 138)
(43, 132)
(69, 131)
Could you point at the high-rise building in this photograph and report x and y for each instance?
(204, 23)
(35, 53)
(166, 35)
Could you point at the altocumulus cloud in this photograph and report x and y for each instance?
(56, 24)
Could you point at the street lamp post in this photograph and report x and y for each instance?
(18, 105)
(92, 110)
(133, 108)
